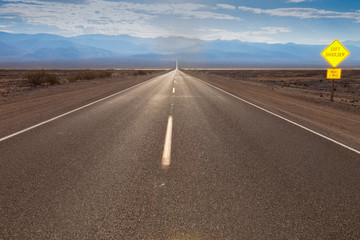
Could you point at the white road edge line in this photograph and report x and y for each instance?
(283, 118)
(67, 113)
(165, 162)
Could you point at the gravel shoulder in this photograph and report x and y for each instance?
(337, 120)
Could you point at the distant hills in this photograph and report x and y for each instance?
(45, 50)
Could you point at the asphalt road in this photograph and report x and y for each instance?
(235, 172)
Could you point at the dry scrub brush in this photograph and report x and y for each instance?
(42, 78)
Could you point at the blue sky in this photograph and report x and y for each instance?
(275, 21)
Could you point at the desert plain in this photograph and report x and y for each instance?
(300, 95)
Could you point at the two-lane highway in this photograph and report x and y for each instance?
(174, 158)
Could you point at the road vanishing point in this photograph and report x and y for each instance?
(176, 158)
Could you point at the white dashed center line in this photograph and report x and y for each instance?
(167, 145)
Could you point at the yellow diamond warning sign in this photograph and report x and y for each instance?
(334, 73)
(335, 53)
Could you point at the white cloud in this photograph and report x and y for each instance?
(296, 1)
(105, 17)
(246, 36)
(8, 17)
(226, 6)
(94, 17)
(272, 30)
(185, 10)
(303, 13)
(7, 31)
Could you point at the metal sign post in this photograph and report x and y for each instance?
(333, 73)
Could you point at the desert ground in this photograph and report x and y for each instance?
(24, 104)
(302, 96)
(306, 84)
(15, 83)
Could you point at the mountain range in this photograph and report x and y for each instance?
(122, 51)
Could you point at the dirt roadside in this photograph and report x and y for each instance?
(27, 108)
(334, 120)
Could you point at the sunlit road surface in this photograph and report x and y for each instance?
(175, 158)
